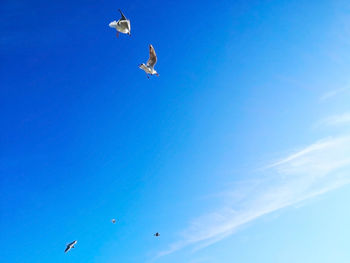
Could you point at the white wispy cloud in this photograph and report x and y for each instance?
(340, 119)
(309, 172)
(333, 93)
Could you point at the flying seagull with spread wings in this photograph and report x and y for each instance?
(122, 25)
(70, 246)
(149, 67)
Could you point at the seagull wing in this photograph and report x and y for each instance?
(124, 23)
(71, 243)
(152, 57)
(67, 248)
(123, 16)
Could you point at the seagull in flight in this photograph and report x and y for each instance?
(149, 67)
(113, 221)
(157, 234)
(122, 25)
(70, 246)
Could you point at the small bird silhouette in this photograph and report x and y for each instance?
(149, 66)
(157, 234)
(122, 25)
(70, 246)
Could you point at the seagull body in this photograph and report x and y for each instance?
(157, 234)
(149, 67)
(113, 221)
(122, 25)
(70, 246)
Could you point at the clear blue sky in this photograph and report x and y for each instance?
(238, 152)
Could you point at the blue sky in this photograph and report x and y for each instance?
(239, 151)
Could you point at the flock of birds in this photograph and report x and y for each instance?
(123, 26)
(71, 244)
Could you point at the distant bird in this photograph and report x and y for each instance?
(122, 25)
(70, 246)
(113, 221)
(149, 67)
(157, 234)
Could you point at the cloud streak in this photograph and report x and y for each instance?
(336, 120)
(333, 93)
(317, 169)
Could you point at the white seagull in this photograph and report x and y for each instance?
(149, 67)
(70, 246)
(113, 221)
(122, 25)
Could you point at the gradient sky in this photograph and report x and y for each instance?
(238, 152)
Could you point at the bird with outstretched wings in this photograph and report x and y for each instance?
(70, 246)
